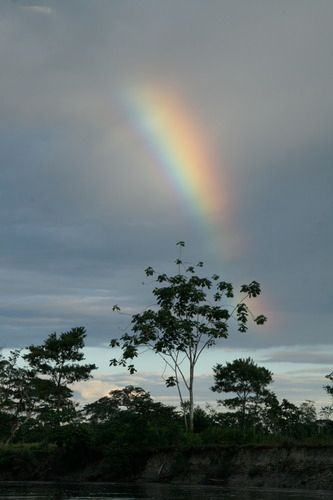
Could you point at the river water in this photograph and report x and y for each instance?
(114, 491)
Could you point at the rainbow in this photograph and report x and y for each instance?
(174, 139)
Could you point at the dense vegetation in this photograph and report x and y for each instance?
(45, 433)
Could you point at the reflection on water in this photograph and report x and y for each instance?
(52, 491)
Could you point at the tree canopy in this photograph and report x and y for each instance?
(191, 315)
(57, 362)
(247, 381)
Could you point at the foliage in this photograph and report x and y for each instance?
(329, 388)
(191, 315)
(132, 399)
(121, 430)
(115, 444)
(248, 382)
(17, 393)
(58, 363)
(117, 417)
(327, 410)
(22, 461)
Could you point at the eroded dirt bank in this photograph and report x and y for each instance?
(260, 466)
(267, 466)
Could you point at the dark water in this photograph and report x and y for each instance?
(51, 491)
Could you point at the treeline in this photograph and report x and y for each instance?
(191, 314)
(120, 430)
(37, 402)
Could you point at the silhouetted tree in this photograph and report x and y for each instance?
(57, 362)
(329, 388)
(18, 396)
(189, 318)
(247, 381)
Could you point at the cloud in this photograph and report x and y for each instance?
(294, 385)
(302, 385)
(149, 381)
(319, 355)
(91, 390)
(85, 206)
(38, 9)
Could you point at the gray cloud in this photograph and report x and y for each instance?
(297, 386)
(303, 355)
(85, 207)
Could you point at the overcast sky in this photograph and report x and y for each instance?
(87, 197)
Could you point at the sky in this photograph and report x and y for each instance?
(128, 126)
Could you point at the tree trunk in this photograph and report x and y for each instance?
(243, 416)
(191, 400)
(183, 406)
(13, 432)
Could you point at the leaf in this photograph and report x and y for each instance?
(116, 308)
(260, 320)
(190, 269)
(149, 271)
(113, 362)
(227, 287)
(170, 382)
(114, 343)
(253, 289)
(180, 243)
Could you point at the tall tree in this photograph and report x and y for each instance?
(329, 388)
(245, 379)
(190, 316)
(18, 397)
(327, 411)
(58, 363)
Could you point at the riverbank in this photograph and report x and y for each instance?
(242, 466)
(280, 466)
(152, 491)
